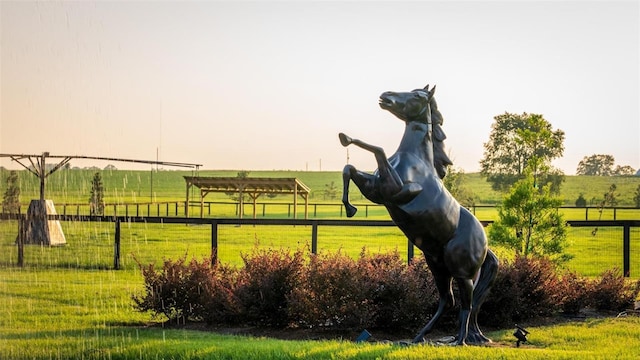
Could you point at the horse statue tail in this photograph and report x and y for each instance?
(488, 273)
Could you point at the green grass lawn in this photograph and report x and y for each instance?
(67, 303)
(87, 314)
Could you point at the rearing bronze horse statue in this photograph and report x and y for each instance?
(409, 185)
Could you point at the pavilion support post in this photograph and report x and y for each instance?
(241, 202)
(186, 204)
(295, 201)
(202, 194)
(255, 196)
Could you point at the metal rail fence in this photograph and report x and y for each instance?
(316, 210)
(214, 223)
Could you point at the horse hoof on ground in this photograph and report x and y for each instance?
(418, 340)
(477, 339)
(345, 140)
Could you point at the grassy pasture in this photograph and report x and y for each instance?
(128, 186)
(66, 303)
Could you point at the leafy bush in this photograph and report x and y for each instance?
(178, 291)
(330, 293)
(264, 285)
(220, 303)
(403, 296)
(613, 292)
(574, 291)
(276, 288)
(524, 289)
(376, 291)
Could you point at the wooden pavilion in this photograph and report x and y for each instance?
(252, 186)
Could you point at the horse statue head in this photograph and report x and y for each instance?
(409, 106)
(420, 105)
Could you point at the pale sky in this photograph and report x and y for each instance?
(269, 85)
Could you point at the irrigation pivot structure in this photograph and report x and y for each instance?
(38, 164)
(37, 229)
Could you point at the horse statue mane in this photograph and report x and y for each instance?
(441, 160)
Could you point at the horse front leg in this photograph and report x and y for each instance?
(364, 181)
(390, 182)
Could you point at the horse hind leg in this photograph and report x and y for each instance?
(488, 273)
(443, 284)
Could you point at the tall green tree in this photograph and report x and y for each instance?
(455, 183)
(96, 199)
(596, 165)
(636, 196)
(625, 170)
(515, 140)
(330, 191)
(529, 222)
(11, 198)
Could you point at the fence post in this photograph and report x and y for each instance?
(626, 249)
(314, 237)
(116, 247)
(409, 252)
(214, 243)
(21, 234)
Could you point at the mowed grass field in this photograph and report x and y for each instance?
(67, 303)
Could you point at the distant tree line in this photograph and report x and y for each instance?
(602, 165)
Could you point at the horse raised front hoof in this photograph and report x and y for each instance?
(350, 209)
(345, 140)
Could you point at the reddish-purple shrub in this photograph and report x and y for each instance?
(613, 292)
(330, 294)
(220, 305)
(264, 285)
(524, 289)
(277, 288)
(401, 295)
(574, 291)
(178, 291)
